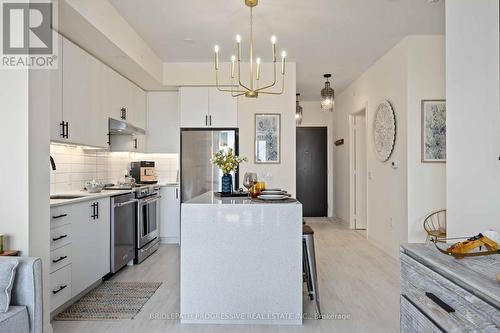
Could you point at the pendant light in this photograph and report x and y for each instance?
(298, 111)
(327, 95)
(254, 85)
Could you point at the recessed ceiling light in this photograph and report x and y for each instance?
(188, 40)
(432, 1)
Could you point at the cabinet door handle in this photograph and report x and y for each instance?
(123, 113)
(177, 193)
(59, 238)
(210, 118)
(67, 130)
(135, 143)
(93, 216)
(58, 290)
(63, 131)
(206, 120)
(60, 258)
(439, 302)
(59, 216)
(97, 210)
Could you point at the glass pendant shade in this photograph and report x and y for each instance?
(298, 111)
(327, 95)
(298, 114)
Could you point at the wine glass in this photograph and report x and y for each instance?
(249, 180)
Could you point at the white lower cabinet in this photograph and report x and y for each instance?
(170, 215)
(60, 287)
(80, 248)
(91, 244)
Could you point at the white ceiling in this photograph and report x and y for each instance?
(342, 37)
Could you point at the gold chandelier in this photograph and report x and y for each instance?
(252, 88)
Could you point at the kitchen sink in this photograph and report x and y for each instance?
(66, 196)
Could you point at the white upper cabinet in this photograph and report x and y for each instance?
(86, 123)
(112, 93)
(193, 103)
(223, 109)
(207, 107)
(56, 110)
(163, 134)
(136, 111)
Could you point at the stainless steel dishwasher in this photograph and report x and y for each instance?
(124, 216)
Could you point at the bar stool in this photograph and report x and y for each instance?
(309, 266)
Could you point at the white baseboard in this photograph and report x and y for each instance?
(170, 240)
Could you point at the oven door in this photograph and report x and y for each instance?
(147, 228)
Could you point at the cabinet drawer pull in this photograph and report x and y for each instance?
(60, 237)
(439, 302)
(58, 290)
(60, 258)
(59, 216)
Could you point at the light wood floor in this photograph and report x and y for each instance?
(355, 278)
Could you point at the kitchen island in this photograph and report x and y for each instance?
(241, 261)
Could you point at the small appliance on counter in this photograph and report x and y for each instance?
(144, 172)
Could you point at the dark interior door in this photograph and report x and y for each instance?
(312, 170)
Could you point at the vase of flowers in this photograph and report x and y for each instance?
(228, 162)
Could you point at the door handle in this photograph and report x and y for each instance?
(60, 258)
(59, 238)
(59, 216)
(58, 290)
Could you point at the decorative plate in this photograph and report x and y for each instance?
(272, 197)
(384, 131)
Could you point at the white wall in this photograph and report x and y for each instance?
(426, 181)
(14, 202)
(275, 175)
(473, 120)
(397, 198)
(386, 198)
(313, 116)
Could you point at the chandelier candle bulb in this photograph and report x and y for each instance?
(233, 59)
(283, 62)
(273, 42)
(216, 49)
(258, 68)
(238, 46)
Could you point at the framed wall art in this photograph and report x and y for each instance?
(433, 131)
(267, 138)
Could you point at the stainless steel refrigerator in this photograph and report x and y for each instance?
(198, 174)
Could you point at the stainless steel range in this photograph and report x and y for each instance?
(148, 239)
(134, 224)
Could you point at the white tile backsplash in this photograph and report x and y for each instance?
(76, 166)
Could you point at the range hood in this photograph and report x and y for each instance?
(121, 127)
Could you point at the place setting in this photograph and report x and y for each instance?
(258, 192)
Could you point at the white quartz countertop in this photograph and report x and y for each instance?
(209, 198)
(85, 196)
